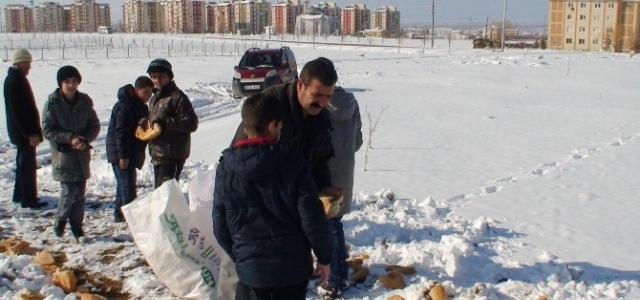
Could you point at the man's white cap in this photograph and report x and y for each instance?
(21, 55)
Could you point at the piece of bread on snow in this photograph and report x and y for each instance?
(331, 205)
(438, 293)
(408, 270)
(360, 276)
(393, 280)
(152, 132)
(66, 280)
(44, 258)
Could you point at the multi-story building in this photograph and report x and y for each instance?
(102, 14)
(387, 19)
(354, 19)
(49, 17)
(68, 18)
(224, 18)
(143, 16)
(18, 18)
(333, 12)
(283, 17)
(87, 16)
(211, 17)
(592, 25)
(197, 16)
(251, 16)
(175, 16)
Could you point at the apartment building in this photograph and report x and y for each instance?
(197, 16)
(386, 19)
(251, 16)
(87, 16)
(49, 17)
(224, 18)
(333, 12)
(18, 18)
(354, 19)
(175, 16)
(593, 25)
(102, 14)
(143, 16)
(283, 16)
(211, 17)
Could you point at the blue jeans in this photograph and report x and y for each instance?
(339, 267)
(126, 187)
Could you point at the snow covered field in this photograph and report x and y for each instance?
(515, 174)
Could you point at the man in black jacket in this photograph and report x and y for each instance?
(306, 129)
(172, 110)
(267, 213)
(23, 125)
(124, 151)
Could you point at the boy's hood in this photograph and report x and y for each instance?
(125, 92)
(342, 105)
(254, 161)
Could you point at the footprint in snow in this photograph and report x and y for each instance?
(490, 189)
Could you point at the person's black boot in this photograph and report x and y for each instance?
(78, 233)
(58, 228)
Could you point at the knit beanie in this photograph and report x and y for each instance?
(21, 55)
(67, 72)
(160, 65)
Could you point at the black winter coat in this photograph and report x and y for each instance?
(23, 118)
(173, 110)
(121, 139)
(267, 214)
(310, 136)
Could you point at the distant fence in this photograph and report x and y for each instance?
(56, 46)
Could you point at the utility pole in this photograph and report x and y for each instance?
(469, 28)
(504, 24)
(433, 21)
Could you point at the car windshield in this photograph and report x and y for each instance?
(259, 60)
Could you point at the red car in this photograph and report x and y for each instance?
(261, 68)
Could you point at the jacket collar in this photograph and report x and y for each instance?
(167, 89)
(14, 71)
(255, 141)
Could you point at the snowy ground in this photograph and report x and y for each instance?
(514, 173)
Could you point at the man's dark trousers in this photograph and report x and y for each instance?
(164, 173)
(25, 190)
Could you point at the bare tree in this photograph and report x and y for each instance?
(372, 129)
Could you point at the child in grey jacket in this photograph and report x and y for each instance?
(70, 123)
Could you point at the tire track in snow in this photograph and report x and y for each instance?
(576, 156)
(210, 101)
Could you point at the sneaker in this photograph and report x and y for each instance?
(345, 284)
(82, 239)
(329, 293)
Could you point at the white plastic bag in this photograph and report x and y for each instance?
(181, 255)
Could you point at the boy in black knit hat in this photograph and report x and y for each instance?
(170, 109)
(70, 123)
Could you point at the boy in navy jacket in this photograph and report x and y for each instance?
(267, 213)
(125, 152)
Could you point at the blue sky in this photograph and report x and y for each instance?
(416, 10)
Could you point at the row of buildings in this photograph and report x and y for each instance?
(594, 25)
(257, 16)
(82, 16)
